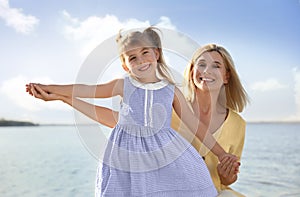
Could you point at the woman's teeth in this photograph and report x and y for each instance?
(206, 79)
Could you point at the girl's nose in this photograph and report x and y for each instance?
(139, 60)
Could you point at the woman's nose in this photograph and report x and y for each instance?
(206, 69)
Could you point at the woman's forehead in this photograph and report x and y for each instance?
(210, 57)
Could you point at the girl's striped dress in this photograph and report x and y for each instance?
(144, 155)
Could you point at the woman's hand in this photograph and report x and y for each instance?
(228, 169)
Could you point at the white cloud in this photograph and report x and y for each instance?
(14, 89)
(15, 18)
(296, 73)
(267, 85)
(93, 30)
(165, 22)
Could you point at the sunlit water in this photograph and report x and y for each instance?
(52, 161)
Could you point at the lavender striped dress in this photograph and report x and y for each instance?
(144, 155)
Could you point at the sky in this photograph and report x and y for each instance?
(49, 42)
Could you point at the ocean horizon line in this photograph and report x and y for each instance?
(247, 122)
(30, 123)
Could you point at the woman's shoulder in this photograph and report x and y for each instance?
(234, 123)
(233, 116)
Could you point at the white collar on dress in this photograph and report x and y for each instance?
(149, 86)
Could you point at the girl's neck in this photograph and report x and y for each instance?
(153, 79)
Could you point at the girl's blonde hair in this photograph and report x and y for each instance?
(236, 96)
(148, 38)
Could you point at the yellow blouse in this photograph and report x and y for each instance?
(230, 136)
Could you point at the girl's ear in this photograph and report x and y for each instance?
(125, 67)
(156, 51)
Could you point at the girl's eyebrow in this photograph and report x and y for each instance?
(142, 49)
(130, 56)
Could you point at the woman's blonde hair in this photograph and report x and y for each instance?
(148, 38)
(236, 96)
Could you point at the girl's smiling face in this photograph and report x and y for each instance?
(141, 63)
(209, 71)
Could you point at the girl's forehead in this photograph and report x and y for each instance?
(135, 50)
(137, 43)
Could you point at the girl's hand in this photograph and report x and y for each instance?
(228, 169)
(30, 85)
(28, 88)
(39, 93)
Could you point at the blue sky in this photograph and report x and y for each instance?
(47, 42)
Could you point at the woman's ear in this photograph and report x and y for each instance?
(227, 77)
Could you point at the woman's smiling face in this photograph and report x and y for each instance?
(209, 72)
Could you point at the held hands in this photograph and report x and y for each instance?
(228, 168)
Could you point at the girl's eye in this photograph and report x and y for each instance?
(145, 52)
(131, 59)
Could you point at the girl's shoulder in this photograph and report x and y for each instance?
(116, 86)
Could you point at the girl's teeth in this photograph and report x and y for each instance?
(144, 67)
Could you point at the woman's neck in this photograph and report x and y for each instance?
(206, 101)
(207, 108)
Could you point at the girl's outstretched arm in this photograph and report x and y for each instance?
(192, 122)
(80, 90)
(100, 114)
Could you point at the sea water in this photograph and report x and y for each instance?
(54, 161)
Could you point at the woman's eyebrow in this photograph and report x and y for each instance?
(217, 62)
(200, 60)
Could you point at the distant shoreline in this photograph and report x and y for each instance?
(7, 123)
(273, 122)
(10, 123)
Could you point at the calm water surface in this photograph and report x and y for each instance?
(52, 161)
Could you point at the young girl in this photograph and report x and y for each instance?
(144, 155)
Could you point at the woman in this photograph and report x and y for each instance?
(216, 95)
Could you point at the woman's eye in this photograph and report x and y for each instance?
(216, 66)
(201, 65)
